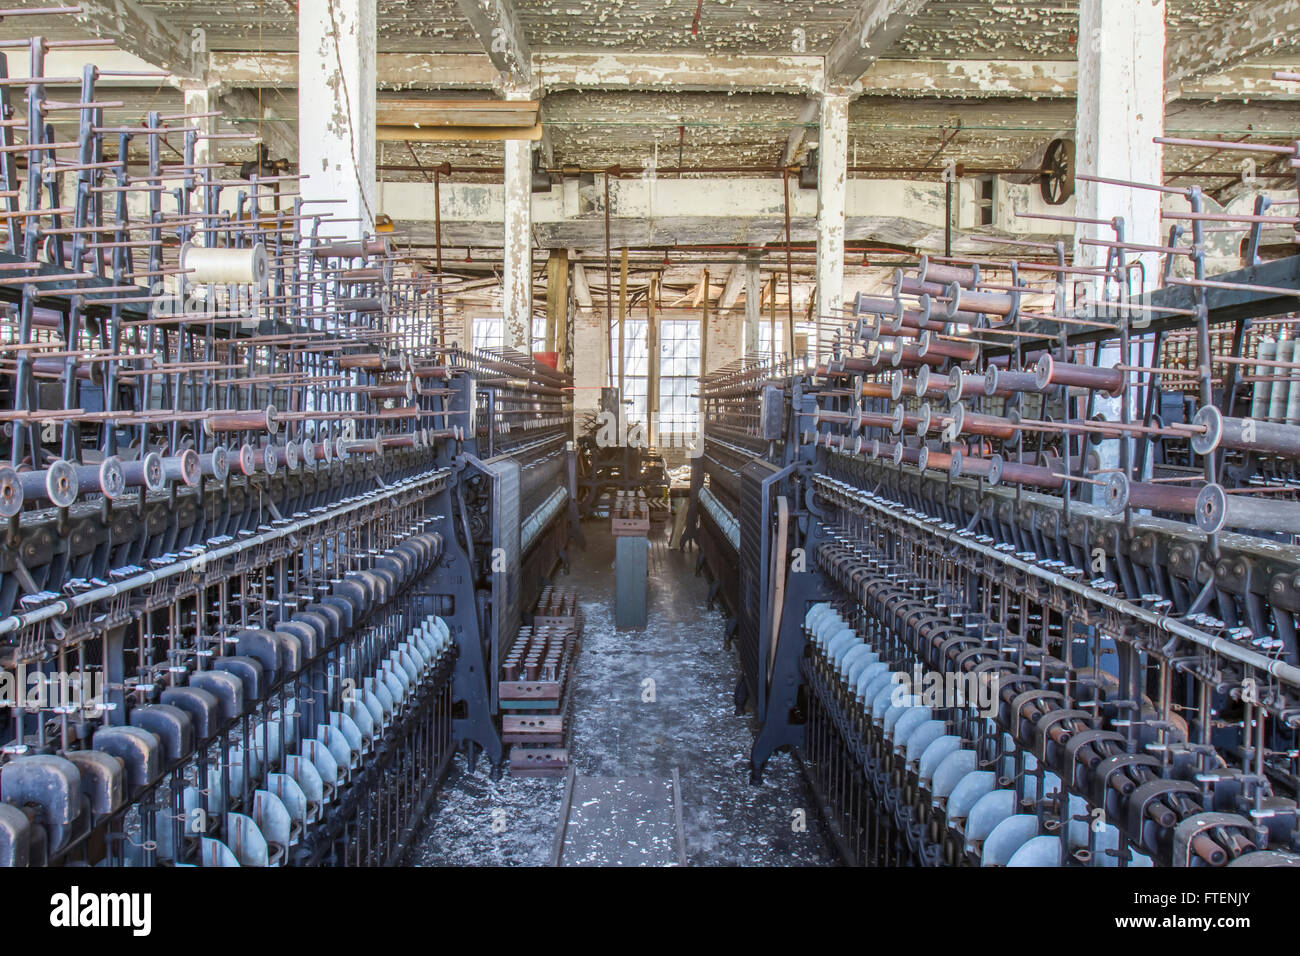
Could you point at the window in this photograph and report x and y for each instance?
(489, 331)
(806, 329)
(679, 373)
(636, 368)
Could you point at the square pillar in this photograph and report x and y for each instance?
(336, 110)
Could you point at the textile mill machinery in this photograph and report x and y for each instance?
(1012, 567)
(267, 526)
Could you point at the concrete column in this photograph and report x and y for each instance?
(832, 186)
(336, 110)
(1120, 104)
(1120, 109)
(753, 305)
(203, 97)
(517, 270)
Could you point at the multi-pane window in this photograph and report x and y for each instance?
(636, 369)
(489, 331)
(679, 373)
(806, 329)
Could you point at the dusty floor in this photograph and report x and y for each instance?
(626, 726)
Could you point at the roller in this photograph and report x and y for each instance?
(147, 472)
(246, 266)
(58, 484)
(107, 477)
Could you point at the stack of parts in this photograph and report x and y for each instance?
(536, 678)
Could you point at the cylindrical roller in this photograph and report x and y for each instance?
(938, 460)
(906, 454)
(146, 472)
(183, 467)
(1119, 492)
(1244, 434)
(253, 420)
(107, 478)
(1048, 371)
(930, 345)
(980, 303)
(269, 458)
(1018, 473)
(990, 426)
(929, 386)
(903, 420)
(308, 450)
(865, 304)
(247, 266)
(361, 249)
(1216, 510)
(963, 385)
(286, 455)
(1261, 394)
(943, 273)
(373, 362)
(1002, 383)
(57, 484)
(877, 390)
(975, 467)
(368, 304)
(1280, 391)
(216, 463)
(404, 389)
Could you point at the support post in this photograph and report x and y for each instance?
(1120, 110)
(336, 110)
(517, 270)
(832, 188)
(753, 304)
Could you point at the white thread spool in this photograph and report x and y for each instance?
(248, 266)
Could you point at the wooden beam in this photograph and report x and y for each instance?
(557, 296)
(581, 290)
(1229, 41)
(704, 327)
(872, 31)
(794, 142)
(468, 112)
(967, 79)
(501, 36)
(690, 72)
(731, 291)
(652, 370)
(622, 322)
(456, 134)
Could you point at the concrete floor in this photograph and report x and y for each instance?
(690, 724)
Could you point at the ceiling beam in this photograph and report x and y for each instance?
(794, 142)
(731, 291)
(140, 32)
(1229, 41)
(968, 79)
(872, 31)
(502, 37)
(689, 72)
